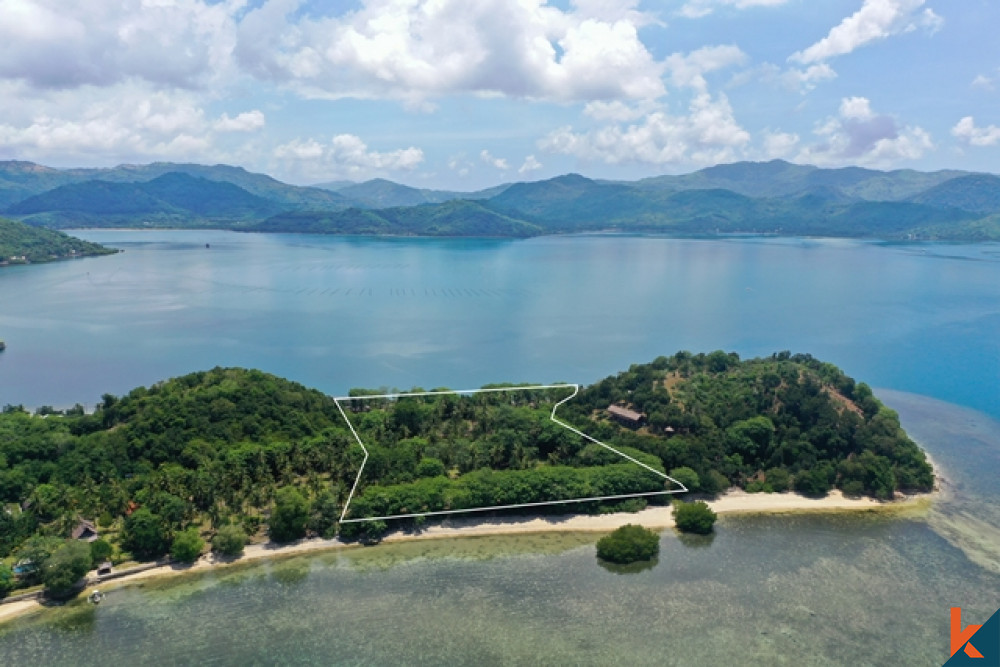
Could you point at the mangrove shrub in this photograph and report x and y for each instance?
(629, 544)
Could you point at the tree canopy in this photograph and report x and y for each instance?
(629, 544)
(65, 567)
(695, 517)
(187, 546)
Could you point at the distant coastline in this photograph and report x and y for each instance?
(773, 198)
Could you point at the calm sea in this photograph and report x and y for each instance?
(920, 321)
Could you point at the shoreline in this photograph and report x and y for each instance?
(733, 502)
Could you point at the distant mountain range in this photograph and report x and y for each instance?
(774, 197)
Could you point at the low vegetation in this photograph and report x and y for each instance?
(229, 540)
(629, 544)
(694, 517)
(229, 454)
(187, 545)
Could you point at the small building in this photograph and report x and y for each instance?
(626, 417)
(85, 531)
(104, 568)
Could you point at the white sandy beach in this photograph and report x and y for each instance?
(733, 502)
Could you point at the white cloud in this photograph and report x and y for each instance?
(694, 9)
(860, 136)
(877, 19)
(125, 123)
(985, 82)
(982, 81)
(689, 70)
(414, 49)
(930, 21)
(130, 121)
(351, 150)
(530, 164)
(706, 135)
(966, 131)
(616, 110)
(806, 79)
(779, 144)
(345, 155)
(56, 44)
(459, 165)
(498, 162)
(791, 79)
(248, 121)
(297, 149)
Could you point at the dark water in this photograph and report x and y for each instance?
(834, 589)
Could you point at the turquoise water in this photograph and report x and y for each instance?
(337, 313)
(921, 321)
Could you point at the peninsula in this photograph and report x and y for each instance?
(24, 244)
(167, 467)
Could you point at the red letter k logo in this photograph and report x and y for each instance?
(959, 637)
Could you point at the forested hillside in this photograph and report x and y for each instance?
(172, 199)
(453, 218)
(244, 448)
(21, 243)
(774, 197)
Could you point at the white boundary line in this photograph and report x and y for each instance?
(552, 416)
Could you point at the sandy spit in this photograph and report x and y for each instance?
(733, 502)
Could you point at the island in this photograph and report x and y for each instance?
(230, 456)
(23, 244)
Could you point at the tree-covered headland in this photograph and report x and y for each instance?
(240, 452)
(24, 244)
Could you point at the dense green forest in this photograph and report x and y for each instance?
(18, 240)
(234, 447)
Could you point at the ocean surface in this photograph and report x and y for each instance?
(921, 323)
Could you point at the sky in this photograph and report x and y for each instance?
(464, 94)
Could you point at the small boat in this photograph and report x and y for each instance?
(95, 597)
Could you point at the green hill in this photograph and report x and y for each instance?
(95, 198)
(979, 193)
(172, 198)
(778, 178)
(453, 218)
(382, 193)
(20, 180)
(34, 245)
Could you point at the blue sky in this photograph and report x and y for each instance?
(462, 94)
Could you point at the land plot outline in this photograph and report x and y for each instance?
(469, 392)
